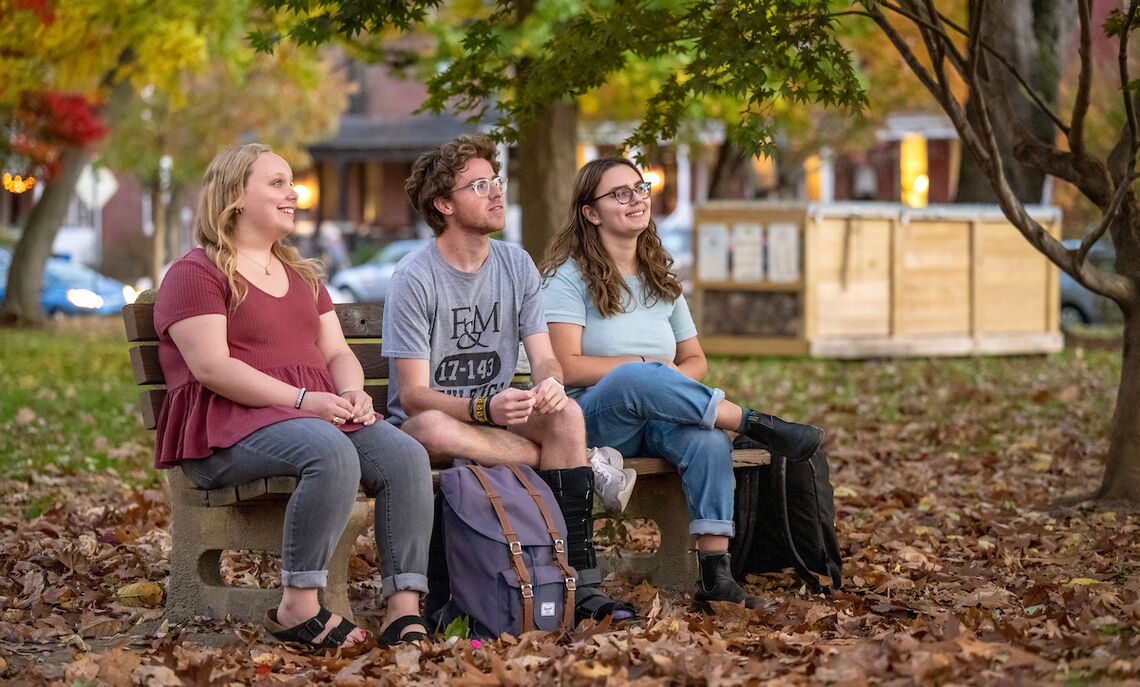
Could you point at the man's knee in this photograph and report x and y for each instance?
(433, 429)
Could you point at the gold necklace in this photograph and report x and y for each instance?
(264, 267)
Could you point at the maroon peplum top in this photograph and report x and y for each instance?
(277, 336)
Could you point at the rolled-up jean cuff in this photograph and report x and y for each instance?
(305, 579)
(402, 582)
(723, 528)
(708, 420)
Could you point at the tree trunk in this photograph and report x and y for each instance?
(733, 176)
(174, 223)
(158, 246)
(21, 305)
(1036, 49)
(1121, 480)
(548, 161)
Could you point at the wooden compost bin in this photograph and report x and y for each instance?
(853, 280)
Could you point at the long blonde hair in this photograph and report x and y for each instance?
(579, 240)
(223, 187)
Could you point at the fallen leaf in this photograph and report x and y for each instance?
(155, 676)
(137, 594)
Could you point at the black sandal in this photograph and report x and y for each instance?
(394, 634)
(593, 604)
(306, 632)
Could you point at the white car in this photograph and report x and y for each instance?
(369, 282)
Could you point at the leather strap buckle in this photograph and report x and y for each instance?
(527, 591)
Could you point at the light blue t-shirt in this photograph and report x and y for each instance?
(650, 329)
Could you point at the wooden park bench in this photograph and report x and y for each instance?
(204, 523)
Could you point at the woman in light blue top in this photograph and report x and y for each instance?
(622, 331)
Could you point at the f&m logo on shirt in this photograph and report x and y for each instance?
(468, 325)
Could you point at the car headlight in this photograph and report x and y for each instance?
(129, 293)
(83, 298)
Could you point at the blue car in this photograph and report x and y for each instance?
(70, 288)
(1078, 304)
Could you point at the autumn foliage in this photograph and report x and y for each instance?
(49, 122)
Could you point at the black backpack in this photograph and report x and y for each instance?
(785, 518)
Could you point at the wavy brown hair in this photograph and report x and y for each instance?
(579, 240)
(434, 172)
(223, 187)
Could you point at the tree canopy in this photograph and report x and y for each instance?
(519, 57)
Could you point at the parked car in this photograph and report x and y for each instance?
(369, 282)
(71, 288)
(1078, 304)
(677, 243)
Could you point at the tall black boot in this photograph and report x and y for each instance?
(574, 490)
(716, 583)
(794, 441)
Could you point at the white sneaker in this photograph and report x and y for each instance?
(613, 484)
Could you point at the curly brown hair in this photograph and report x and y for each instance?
(433, 174)
(579, 240)
(223, 187)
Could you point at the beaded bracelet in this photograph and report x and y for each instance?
(481, 410)
(300, 397)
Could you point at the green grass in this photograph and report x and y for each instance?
(68, 404)
(68, 401)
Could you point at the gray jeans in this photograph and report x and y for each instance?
(330, 464)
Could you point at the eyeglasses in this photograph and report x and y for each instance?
(624, 194)
(482, 187)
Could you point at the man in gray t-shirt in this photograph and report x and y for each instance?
(454, 315)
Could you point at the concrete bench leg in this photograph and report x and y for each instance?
(199, 535)
(660, 498)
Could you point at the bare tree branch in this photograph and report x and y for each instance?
(904, 50)
(1122, 61)
(1081, 104)
(1029, 91)
(1122, 189)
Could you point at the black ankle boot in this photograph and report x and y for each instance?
(716, 584)
(574, 490)
(794, 441)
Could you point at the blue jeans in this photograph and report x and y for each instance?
(652, 409)
(330, 465)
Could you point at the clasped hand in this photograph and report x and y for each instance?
(513, 406)
(354, 406)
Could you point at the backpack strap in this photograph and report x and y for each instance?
(569, 575)
(525, 585)
(780, 492)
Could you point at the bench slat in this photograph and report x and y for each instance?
(145, 366)
(150, 404)
(138, 318)
(357, 320)
(226, 496)
(372, 359)
(360, 320)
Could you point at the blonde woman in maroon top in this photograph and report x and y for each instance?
(262, 383)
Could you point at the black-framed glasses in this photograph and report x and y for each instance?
(624, 194)
(482, 187)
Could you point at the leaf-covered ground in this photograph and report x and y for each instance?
(958, 569)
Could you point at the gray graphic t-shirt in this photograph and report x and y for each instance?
(467, 325)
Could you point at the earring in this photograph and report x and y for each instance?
(237, 211)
